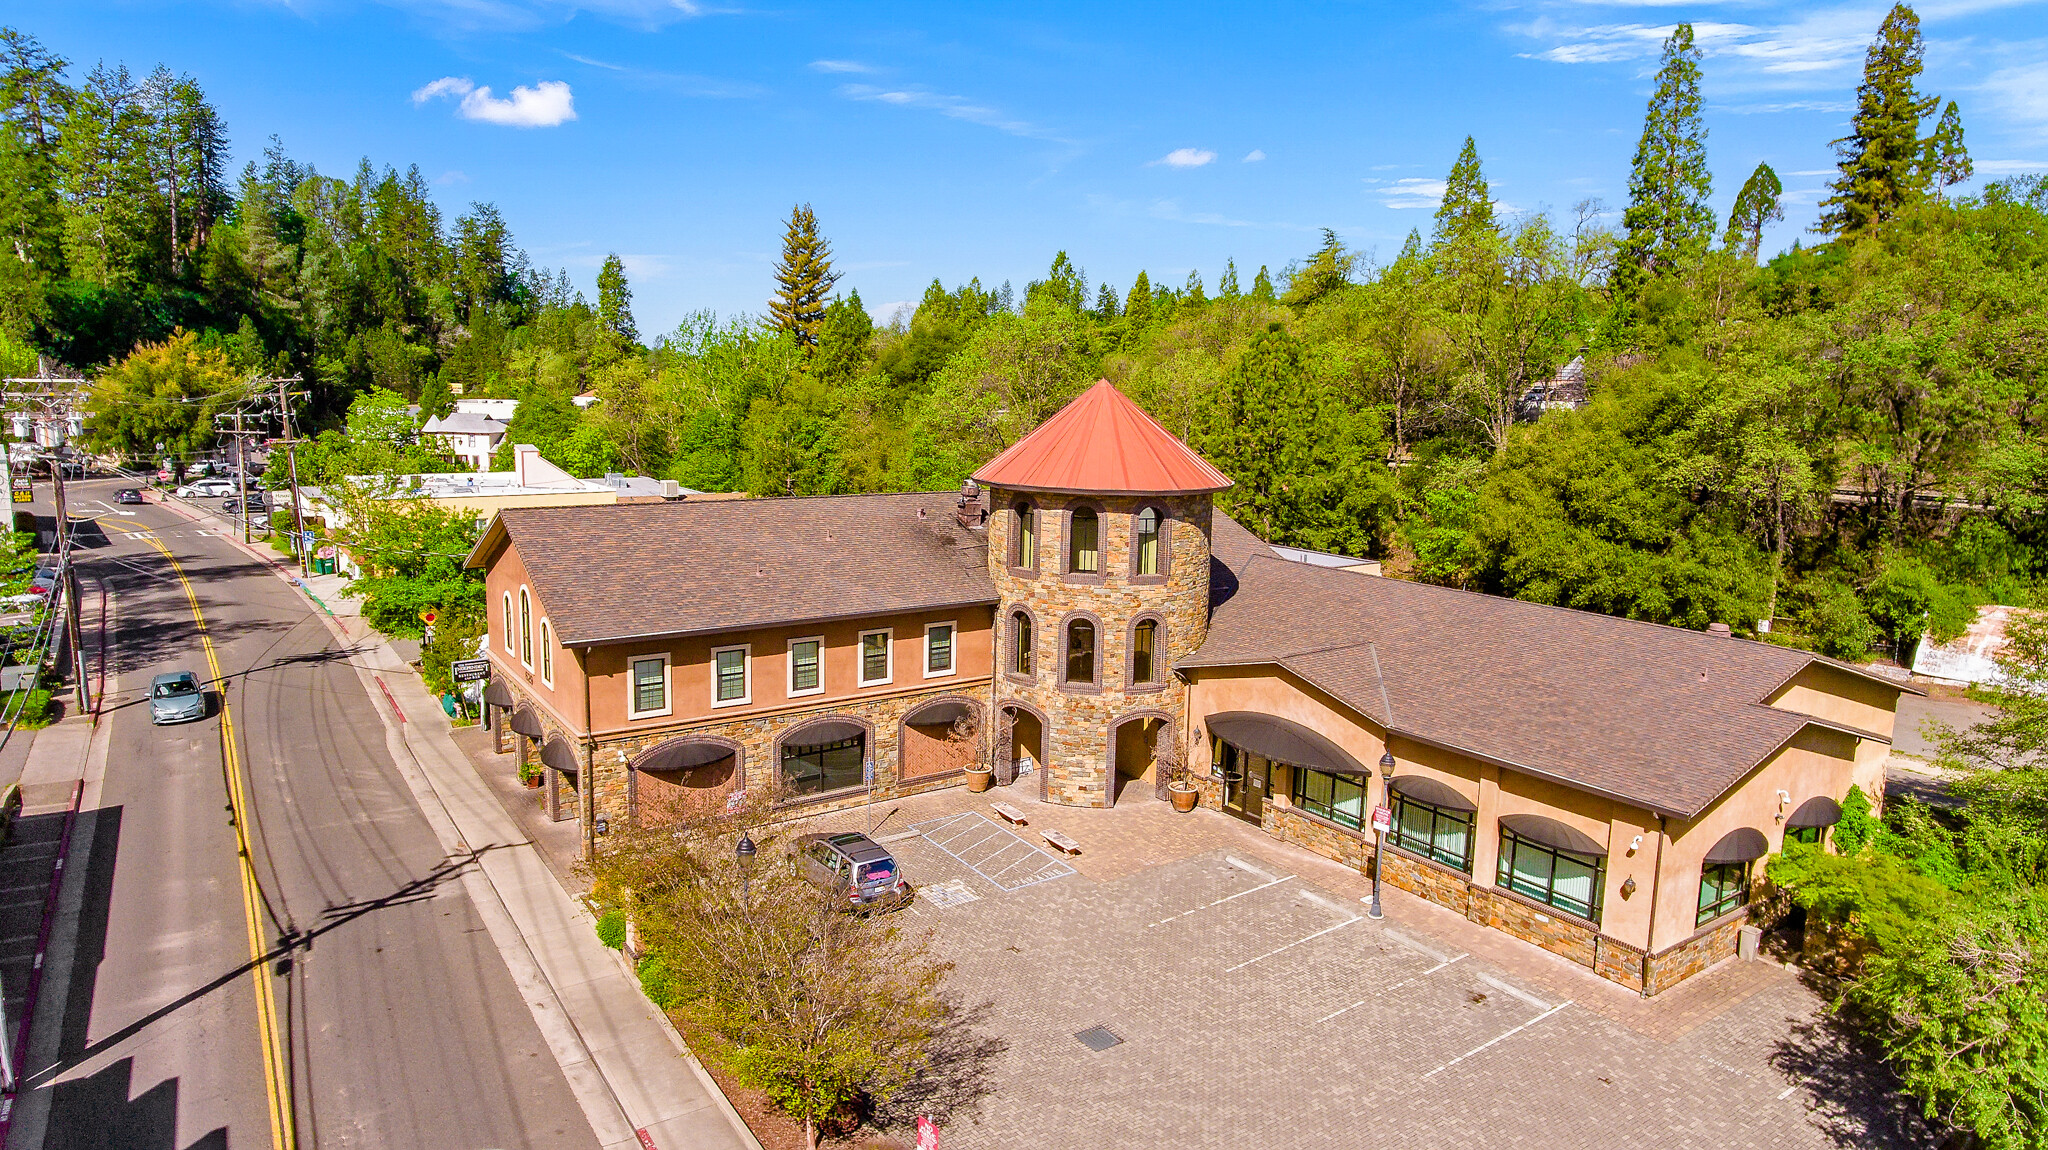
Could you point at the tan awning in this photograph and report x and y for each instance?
(1743, 844)
(1282, 740)
(527, 723)
(1552, 833)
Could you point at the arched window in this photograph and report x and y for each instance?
(1020, 643)
(505, 633)
(1144, 651)
(1084, 532)
(525, 627)
(547, 653)
(1145, 542)
(1080, 651)
(1027, 537)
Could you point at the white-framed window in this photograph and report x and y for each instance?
(505, 634)
(877, 658)
(647, 687)
(939, 641)
(807, 666)
(547, 652)
(526, 628)
(732, 681)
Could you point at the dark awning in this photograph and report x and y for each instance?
(1742, 844)
(498, 694)
(527, 723)
(1552, 833)
(681, 754)
(942, 712)
(1282, 740)
(1818, 811)
(559, 754)
(1424, 789)
(824, 731)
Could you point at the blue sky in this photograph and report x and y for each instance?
(955, 140)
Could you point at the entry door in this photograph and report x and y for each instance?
(1244, 783)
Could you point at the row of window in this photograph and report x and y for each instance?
(1149, 553)
(524, 636)
(803, 666)
(1081, 651)
(1568, 880)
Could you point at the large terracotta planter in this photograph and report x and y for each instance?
(980, 780)
(1184, 799)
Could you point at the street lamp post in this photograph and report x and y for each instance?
(1379, 833)
(744, 852)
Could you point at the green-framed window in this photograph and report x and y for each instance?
(1567, 880)
(1338, 798)
(1809, 835)
(1437, 833)
(1723, 887)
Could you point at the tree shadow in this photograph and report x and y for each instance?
(1854, 1098)
(955, 1079)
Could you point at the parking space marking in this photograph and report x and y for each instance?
(1242, 865)
(949, 832)
(1413, 978)
(1516, 991)
(1295, 943)
(1499, 1037)
(1220, 901)
(1411, 944)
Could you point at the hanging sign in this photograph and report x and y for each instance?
(24, 489)
(1382, 820)
(927, 1133)
(469, 670)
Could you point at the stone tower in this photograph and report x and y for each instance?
(1099, 544)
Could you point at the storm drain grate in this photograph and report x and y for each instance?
(1099, 1038)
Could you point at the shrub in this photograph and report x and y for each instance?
(611, 928)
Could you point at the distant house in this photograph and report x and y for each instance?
(472, 438)
(1564, 391)
(501, 410)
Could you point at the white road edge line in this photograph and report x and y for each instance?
(1240, 864)
(1517, 991)
(1292, 945)
(1218, 902)
(1497, 1038)
(1391, 989)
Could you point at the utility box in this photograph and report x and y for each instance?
(1748, 940)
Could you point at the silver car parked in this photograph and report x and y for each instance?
(854, 870)
(176, 697)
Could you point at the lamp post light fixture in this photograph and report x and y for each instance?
(744, 852)
(1380, 834)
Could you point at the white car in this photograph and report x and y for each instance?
(206, 489)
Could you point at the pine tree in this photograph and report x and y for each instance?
(1756, 204)
(1138, 305)
(803, 278)
(1667, 222)
(615, 301)
(1944, 161)
(843, 340)
(1226, 287)
(1881, 157)
(1262, 287)
(1191, 292)
(1467, 207)
(1106, 305)
(1325, 272)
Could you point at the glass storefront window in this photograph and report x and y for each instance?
(1567, 880)
(1434, 832)
(1723, 887)
(824, 767)
(1338, 798)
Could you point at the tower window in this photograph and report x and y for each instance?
(1020, 643)
(1027, 537)
(1145, 542)
(1144, 648)
(1084, 554)
(1080, 651)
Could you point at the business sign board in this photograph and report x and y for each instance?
(470, 670)
(24, 489)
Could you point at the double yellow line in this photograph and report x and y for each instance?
(277, 1081)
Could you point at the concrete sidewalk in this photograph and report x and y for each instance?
(638, 1084)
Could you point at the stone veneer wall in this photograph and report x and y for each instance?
(1674, 965)
(1076, 749)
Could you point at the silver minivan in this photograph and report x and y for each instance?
(854, 870)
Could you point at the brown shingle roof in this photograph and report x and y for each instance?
(611, 573)
(1659, 716)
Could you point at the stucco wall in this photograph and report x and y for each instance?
(506, 573)
(1831, 693)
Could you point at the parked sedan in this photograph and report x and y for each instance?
(854, 870)
(233, 506)
(128, 495)
(176, 697)
(205, 489)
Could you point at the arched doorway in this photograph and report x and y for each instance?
(940, 737)
(684, 777)
(1135, 742)
(1021, 746)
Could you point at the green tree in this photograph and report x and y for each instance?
(1262, 287)
(1881, 157)
(161, 399)
(1226, 286)
(803, 278)
(1946, 162)
(615, 302)
(1756, 205)
(1667, 223)
(1138, 306)
(483, 273)
(845, 341)
(1466, 210)
(410, 554)
(1326, 271)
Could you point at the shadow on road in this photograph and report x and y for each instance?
(98, 1113)
(1853, 1097)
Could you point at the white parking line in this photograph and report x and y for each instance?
(1242, 865)
(1219, 902)
(1497, 1038)
(1411, 944)
(1388, 990)
(1295, 943)
(1517, 991)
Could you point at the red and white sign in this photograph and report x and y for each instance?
(927, 1133)
(1382, 820)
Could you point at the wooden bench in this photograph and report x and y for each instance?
(1010, 814)
(1060, 842)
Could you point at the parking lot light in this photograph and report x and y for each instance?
(744, 852)
(1379, 836)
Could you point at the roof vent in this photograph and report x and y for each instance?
(670, 489)
(1720, 629)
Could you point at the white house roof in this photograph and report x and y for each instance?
(463, 423)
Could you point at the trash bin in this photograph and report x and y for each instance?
(323, 566)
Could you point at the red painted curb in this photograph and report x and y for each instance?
(35, 974)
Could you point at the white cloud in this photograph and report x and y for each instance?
(1185, 158)
(2008, 167)
(954, 107)
(1412, 192)
(452, 176)
(1254, 156)
(1786, 106)
(544, 105)
(842, 66)
(1773, 55)
(2022, 92)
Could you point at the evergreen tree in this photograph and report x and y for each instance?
(1325, 272)
(843, 341)
(1945, 161)
(1467, 207)
(1065, 288)
(483, 258)
(803, 278)
(1881, 157)
(1668, 222)
(1262, 287)
(1106, 305)
(1226, 287)
(615, 301)
(33, 101)
(1756, 204)
(104, 186)
(1138, 305)
(1191, 291)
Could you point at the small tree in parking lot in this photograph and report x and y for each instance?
(815, 1007)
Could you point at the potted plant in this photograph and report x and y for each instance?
(529, 773)
(981, 773)
(1172, 763)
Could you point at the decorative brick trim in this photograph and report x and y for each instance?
(1165, 545)
(1066, 555)
(1007, 644)
(1101, 642)
(902, 735)
(783, 739)
(1170, 730)
(1161, 641)
(1012, 541)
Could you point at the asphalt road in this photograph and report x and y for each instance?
(396, 1021)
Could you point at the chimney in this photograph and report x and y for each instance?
(1720, 629)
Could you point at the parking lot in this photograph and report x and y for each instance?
(1186, 981)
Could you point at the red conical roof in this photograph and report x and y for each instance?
(1102, 444)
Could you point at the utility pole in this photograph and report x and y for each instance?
(291, 455)
(52, 404)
